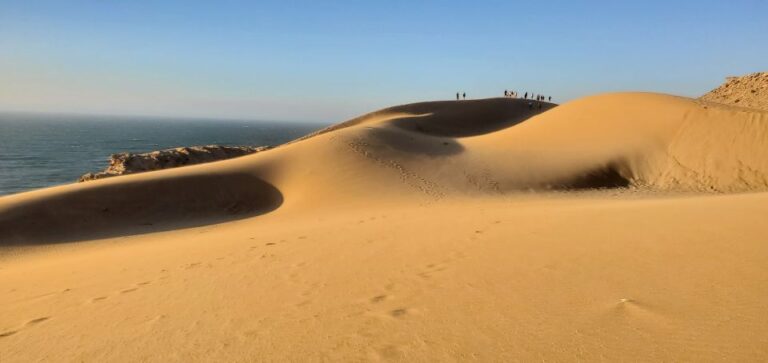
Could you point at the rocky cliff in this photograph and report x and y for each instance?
(745, 91)
(130, 163)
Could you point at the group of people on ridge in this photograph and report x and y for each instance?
(514, 94)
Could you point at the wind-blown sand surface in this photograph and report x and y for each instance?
(618, 227)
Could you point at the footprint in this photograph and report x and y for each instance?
(38, 320)
(155, 319)
(271, 243)
(391, 352)
(397, 313)
(144, 283)
(378, 299)
(98, 298)
(129, 290)
(8, 333)
(431, 269)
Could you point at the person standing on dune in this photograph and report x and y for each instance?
(457, 96)
(550, 98)
(526, 95)
(464, 95)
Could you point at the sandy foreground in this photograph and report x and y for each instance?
(619, 227)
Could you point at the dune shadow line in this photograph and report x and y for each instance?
(137, 207)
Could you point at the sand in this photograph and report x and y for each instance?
(618, 227)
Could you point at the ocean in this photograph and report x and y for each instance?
(39, 151)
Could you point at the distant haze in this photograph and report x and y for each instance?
(314, 60)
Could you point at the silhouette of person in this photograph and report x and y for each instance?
(550, 98)
(506, 93)
(464, 95)
(526, 95)
(457, 96)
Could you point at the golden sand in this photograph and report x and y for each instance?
(619, 227)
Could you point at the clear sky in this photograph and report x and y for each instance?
(331, 60)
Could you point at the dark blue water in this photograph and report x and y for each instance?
(44, 150)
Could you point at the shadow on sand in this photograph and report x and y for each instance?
(136, 207)
(468, 118)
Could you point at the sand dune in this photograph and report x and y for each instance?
(616, 227)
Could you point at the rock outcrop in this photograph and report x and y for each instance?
(746, 91)
(130, 163)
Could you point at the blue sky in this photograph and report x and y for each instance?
(328, 61)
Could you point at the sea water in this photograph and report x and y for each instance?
(38, 151)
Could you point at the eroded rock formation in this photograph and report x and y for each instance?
(130, 163)
(745, 91)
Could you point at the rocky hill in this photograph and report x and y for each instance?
(745, 91)
(130, 163)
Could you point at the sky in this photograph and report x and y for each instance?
(332, 60)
